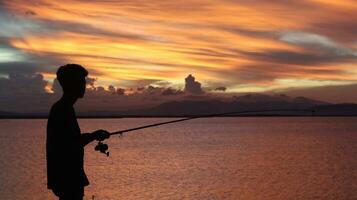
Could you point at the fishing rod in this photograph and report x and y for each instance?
(101, 147)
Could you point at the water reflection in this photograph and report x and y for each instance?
(221, 158)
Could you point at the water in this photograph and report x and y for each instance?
(208, 159)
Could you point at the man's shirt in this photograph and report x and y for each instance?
(64, 150)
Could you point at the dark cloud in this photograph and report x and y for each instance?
(140, 88)
(25, 67)
(332, 93)
(15, 60)
(20, 25)
(250, 32)
(111, 89)
(120, 91)
(206, 52)
(90, 81)
(290, 57)
(30, 13)
(192, 86)
(5, 42)
(24, 93)
(118, 99)
(277, 4)
(152, 90)
(256, 74)
(263, 74)
(222, 88)
(116, 91)
(27, 93)
(23, 84)
(86, 29)
(13, 25)
(171, 91)
(344, 30)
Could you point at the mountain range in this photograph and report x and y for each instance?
(194, 107)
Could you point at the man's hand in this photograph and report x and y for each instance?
(101, 135)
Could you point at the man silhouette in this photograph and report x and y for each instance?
(64, 142)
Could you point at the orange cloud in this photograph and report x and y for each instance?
(234, 43)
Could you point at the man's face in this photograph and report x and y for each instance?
(81, 87)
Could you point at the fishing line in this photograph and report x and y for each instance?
(101, 147)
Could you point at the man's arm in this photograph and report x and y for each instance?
(98, 135)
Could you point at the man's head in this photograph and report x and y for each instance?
(72, 78)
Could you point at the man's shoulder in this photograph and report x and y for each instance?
(58, 108)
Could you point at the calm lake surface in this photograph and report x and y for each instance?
(218, 158)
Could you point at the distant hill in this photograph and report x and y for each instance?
(336, 110)
(3, 113)
(240, 103)
(12, 115)
(211, 106)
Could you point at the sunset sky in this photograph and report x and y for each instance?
(243, 46)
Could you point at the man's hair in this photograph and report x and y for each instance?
(69, 74)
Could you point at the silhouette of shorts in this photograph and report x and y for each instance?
(70, 193)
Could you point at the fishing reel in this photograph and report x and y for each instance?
(102, 148)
